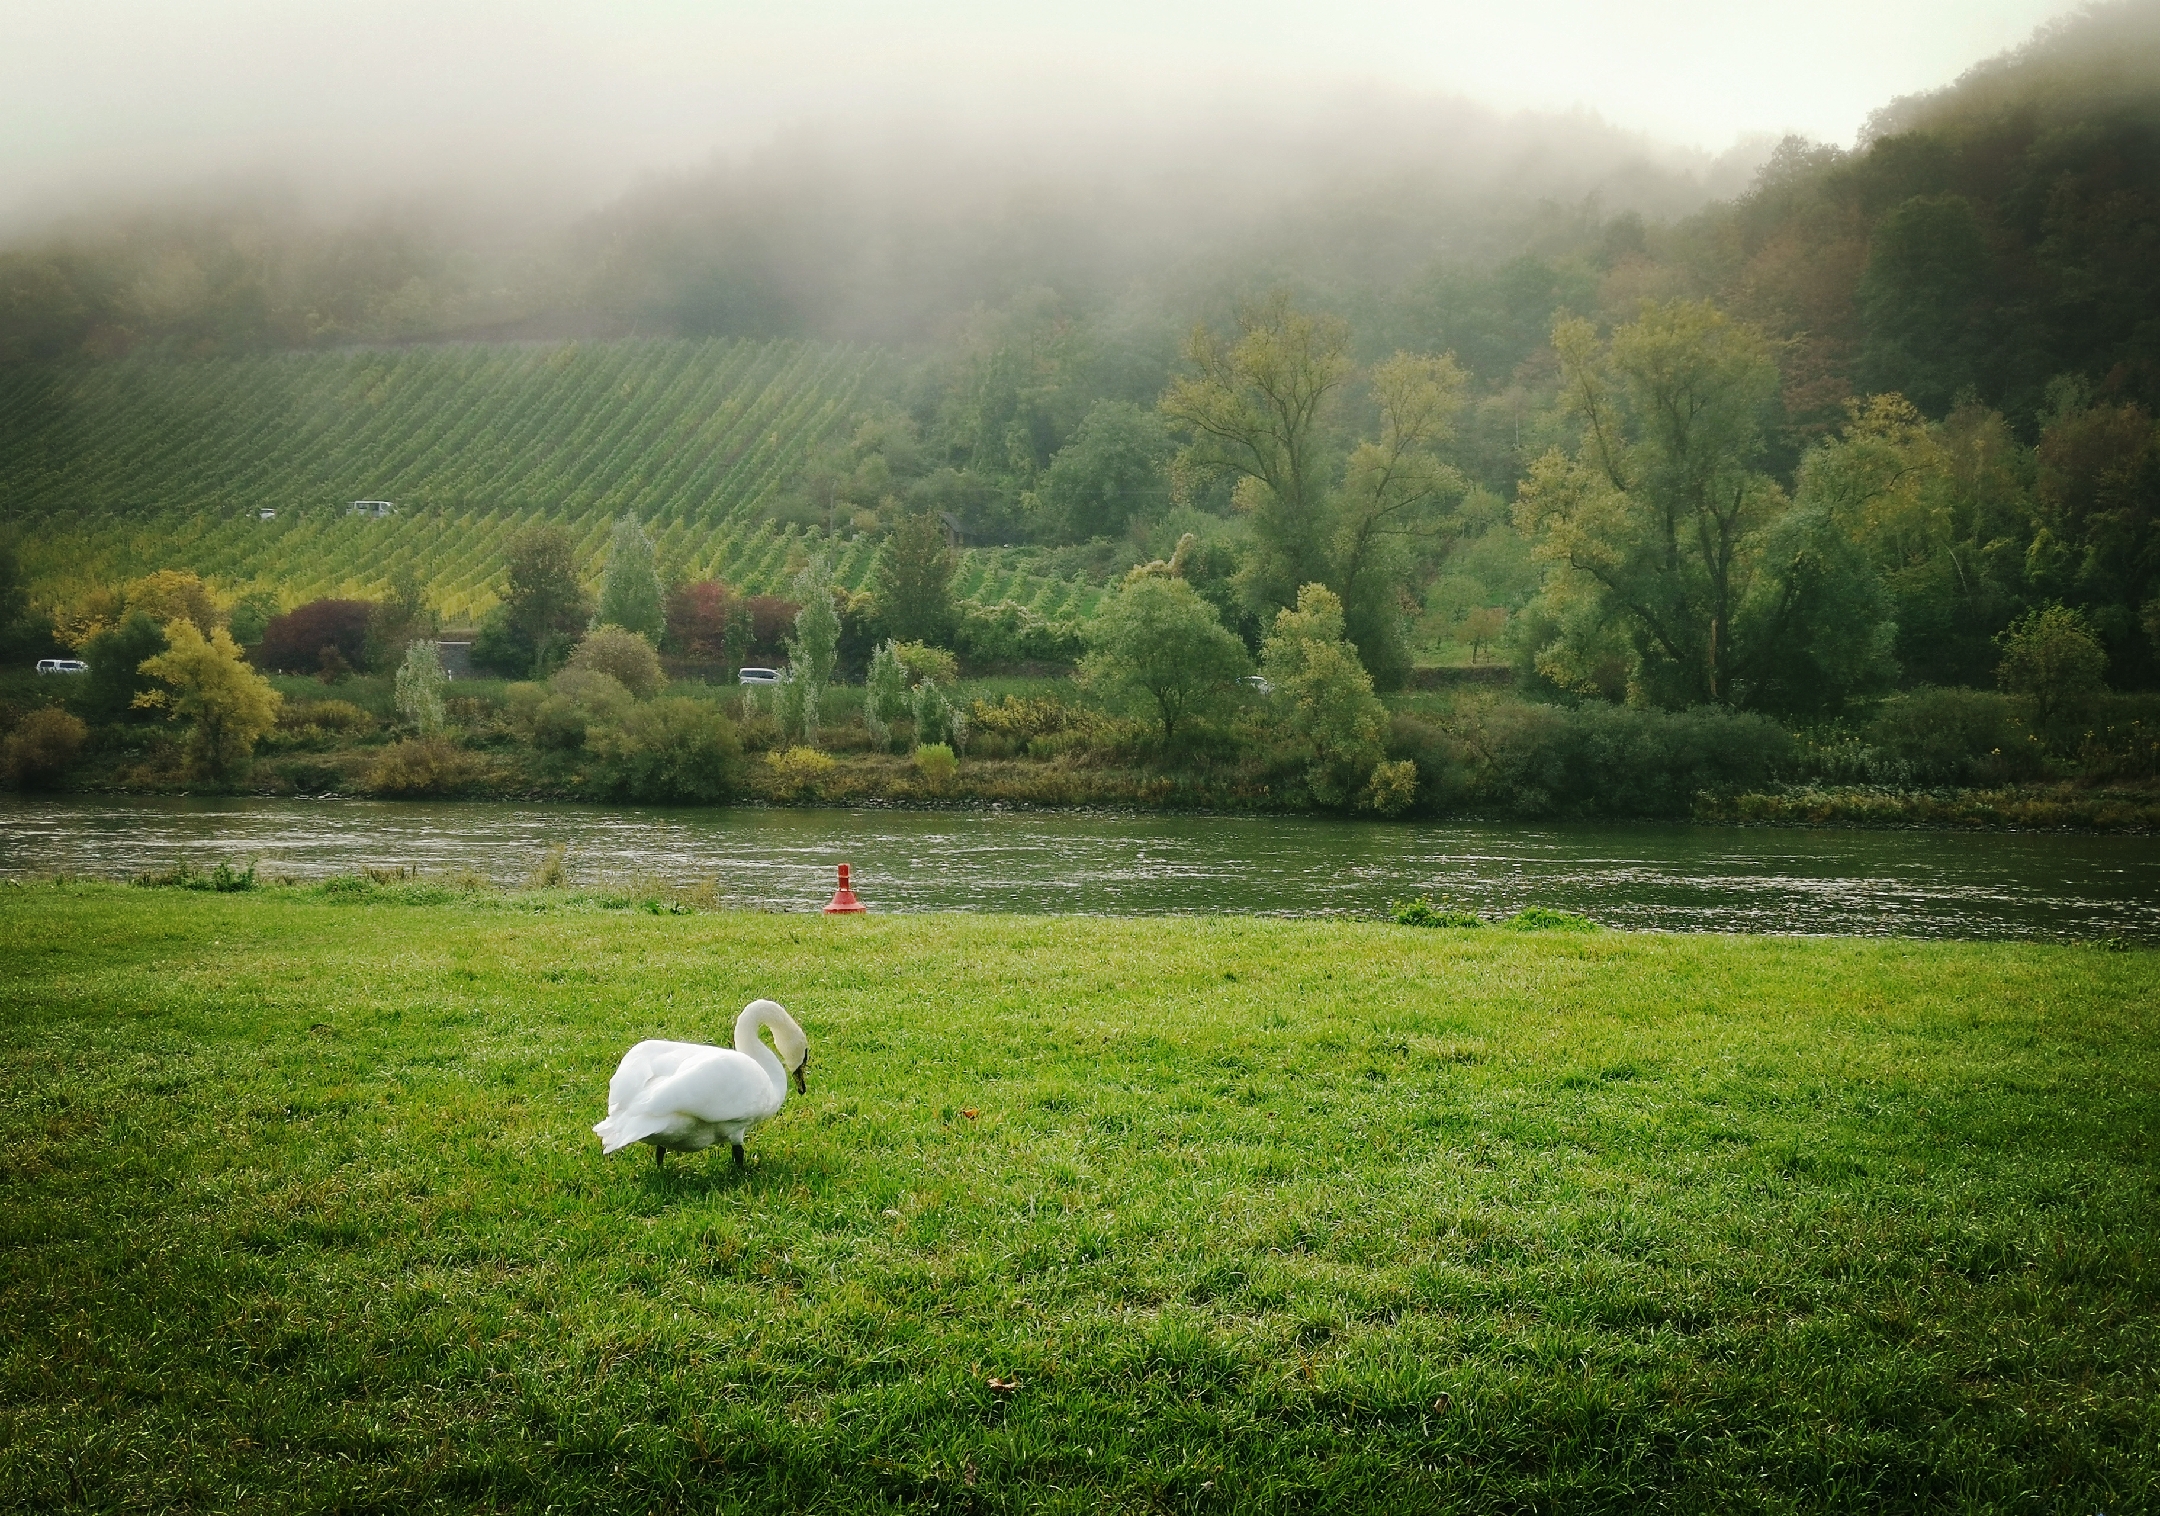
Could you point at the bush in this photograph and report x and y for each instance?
(423, 766)
(924, 662)
(799, 772)
(1951, 736)
(671, 752)
(295, 642)
(1608, 760)
(1393, 787)
(1009, 632)
(224, 879)
(1423, 912)
(42, 748)
(578, 700)
(1039, 725)
(1538, 918)
(339, 716)
(937, 764)
(623, 656)
(310, 778)
(317, 723)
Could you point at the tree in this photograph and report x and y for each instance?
(1111, 471)
(1355, 518)
(251, 616)
(545, 606)
(884, 694)
(709, 622)
(1391, 503)
(227, 704)
(1258, 407)
(174, 594)
(2098, 504)
(631, 596)
(1658, 532)
(815, 647)
(1942, 513)
(420, 682)
(1157, 642)
(115, 656)
(913, 582)
(404, 616)
(2053, 659)
(624, 657)
(1324, 695)
(1481, 628)
(295, 642)
(1921, 300)
(43, 746)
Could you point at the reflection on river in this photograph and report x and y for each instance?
(1673, 877)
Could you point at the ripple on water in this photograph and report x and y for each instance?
(1671, 877)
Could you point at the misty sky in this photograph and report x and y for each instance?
(98, 96)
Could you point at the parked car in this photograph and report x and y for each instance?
(1257, 682)
(62, 666)
(758, 676)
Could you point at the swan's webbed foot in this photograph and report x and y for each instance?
(740, 1161)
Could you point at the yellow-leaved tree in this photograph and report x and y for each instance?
(226, 704)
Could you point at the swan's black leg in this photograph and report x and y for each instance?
(740, 1161)
(659, 1158)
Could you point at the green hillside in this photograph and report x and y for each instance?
(114, 469)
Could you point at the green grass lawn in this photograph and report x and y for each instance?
(300, 1210)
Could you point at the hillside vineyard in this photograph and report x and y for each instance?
(115, 468)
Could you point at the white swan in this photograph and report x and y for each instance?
(683, 1097)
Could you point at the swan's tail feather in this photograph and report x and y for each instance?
(618, 1132)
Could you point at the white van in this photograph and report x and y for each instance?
(62, 666)
(755, 675)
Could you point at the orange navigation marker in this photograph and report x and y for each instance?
(844, 902)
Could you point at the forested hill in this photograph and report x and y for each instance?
(1988, 241)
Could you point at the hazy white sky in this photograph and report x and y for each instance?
(103, 94)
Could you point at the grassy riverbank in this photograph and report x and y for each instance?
(301, 1211)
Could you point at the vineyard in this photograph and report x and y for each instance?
(115, 469)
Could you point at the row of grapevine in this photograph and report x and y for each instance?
(114, 469)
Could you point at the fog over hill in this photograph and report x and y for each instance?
(259, 177)
(876, 235)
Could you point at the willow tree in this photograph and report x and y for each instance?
(1676, 569)
(1266, 404)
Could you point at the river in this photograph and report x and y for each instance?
(1667, 877)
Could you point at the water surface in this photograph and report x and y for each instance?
(1671, 877)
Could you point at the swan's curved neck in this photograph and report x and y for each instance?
(747, 1041)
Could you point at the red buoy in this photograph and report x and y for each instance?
(844, 902)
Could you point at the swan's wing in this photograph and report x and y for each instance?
(721, 1086)
(646, 1063)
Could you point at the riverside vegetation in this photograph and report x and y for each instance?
(1838, 500)
(1161, 713)
(302, 1212)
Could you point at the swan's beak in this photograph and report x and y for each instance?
(802, 1085)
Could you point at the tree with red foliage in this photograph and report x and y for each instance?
(708, 622)
(296, 642)
(771, 619)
